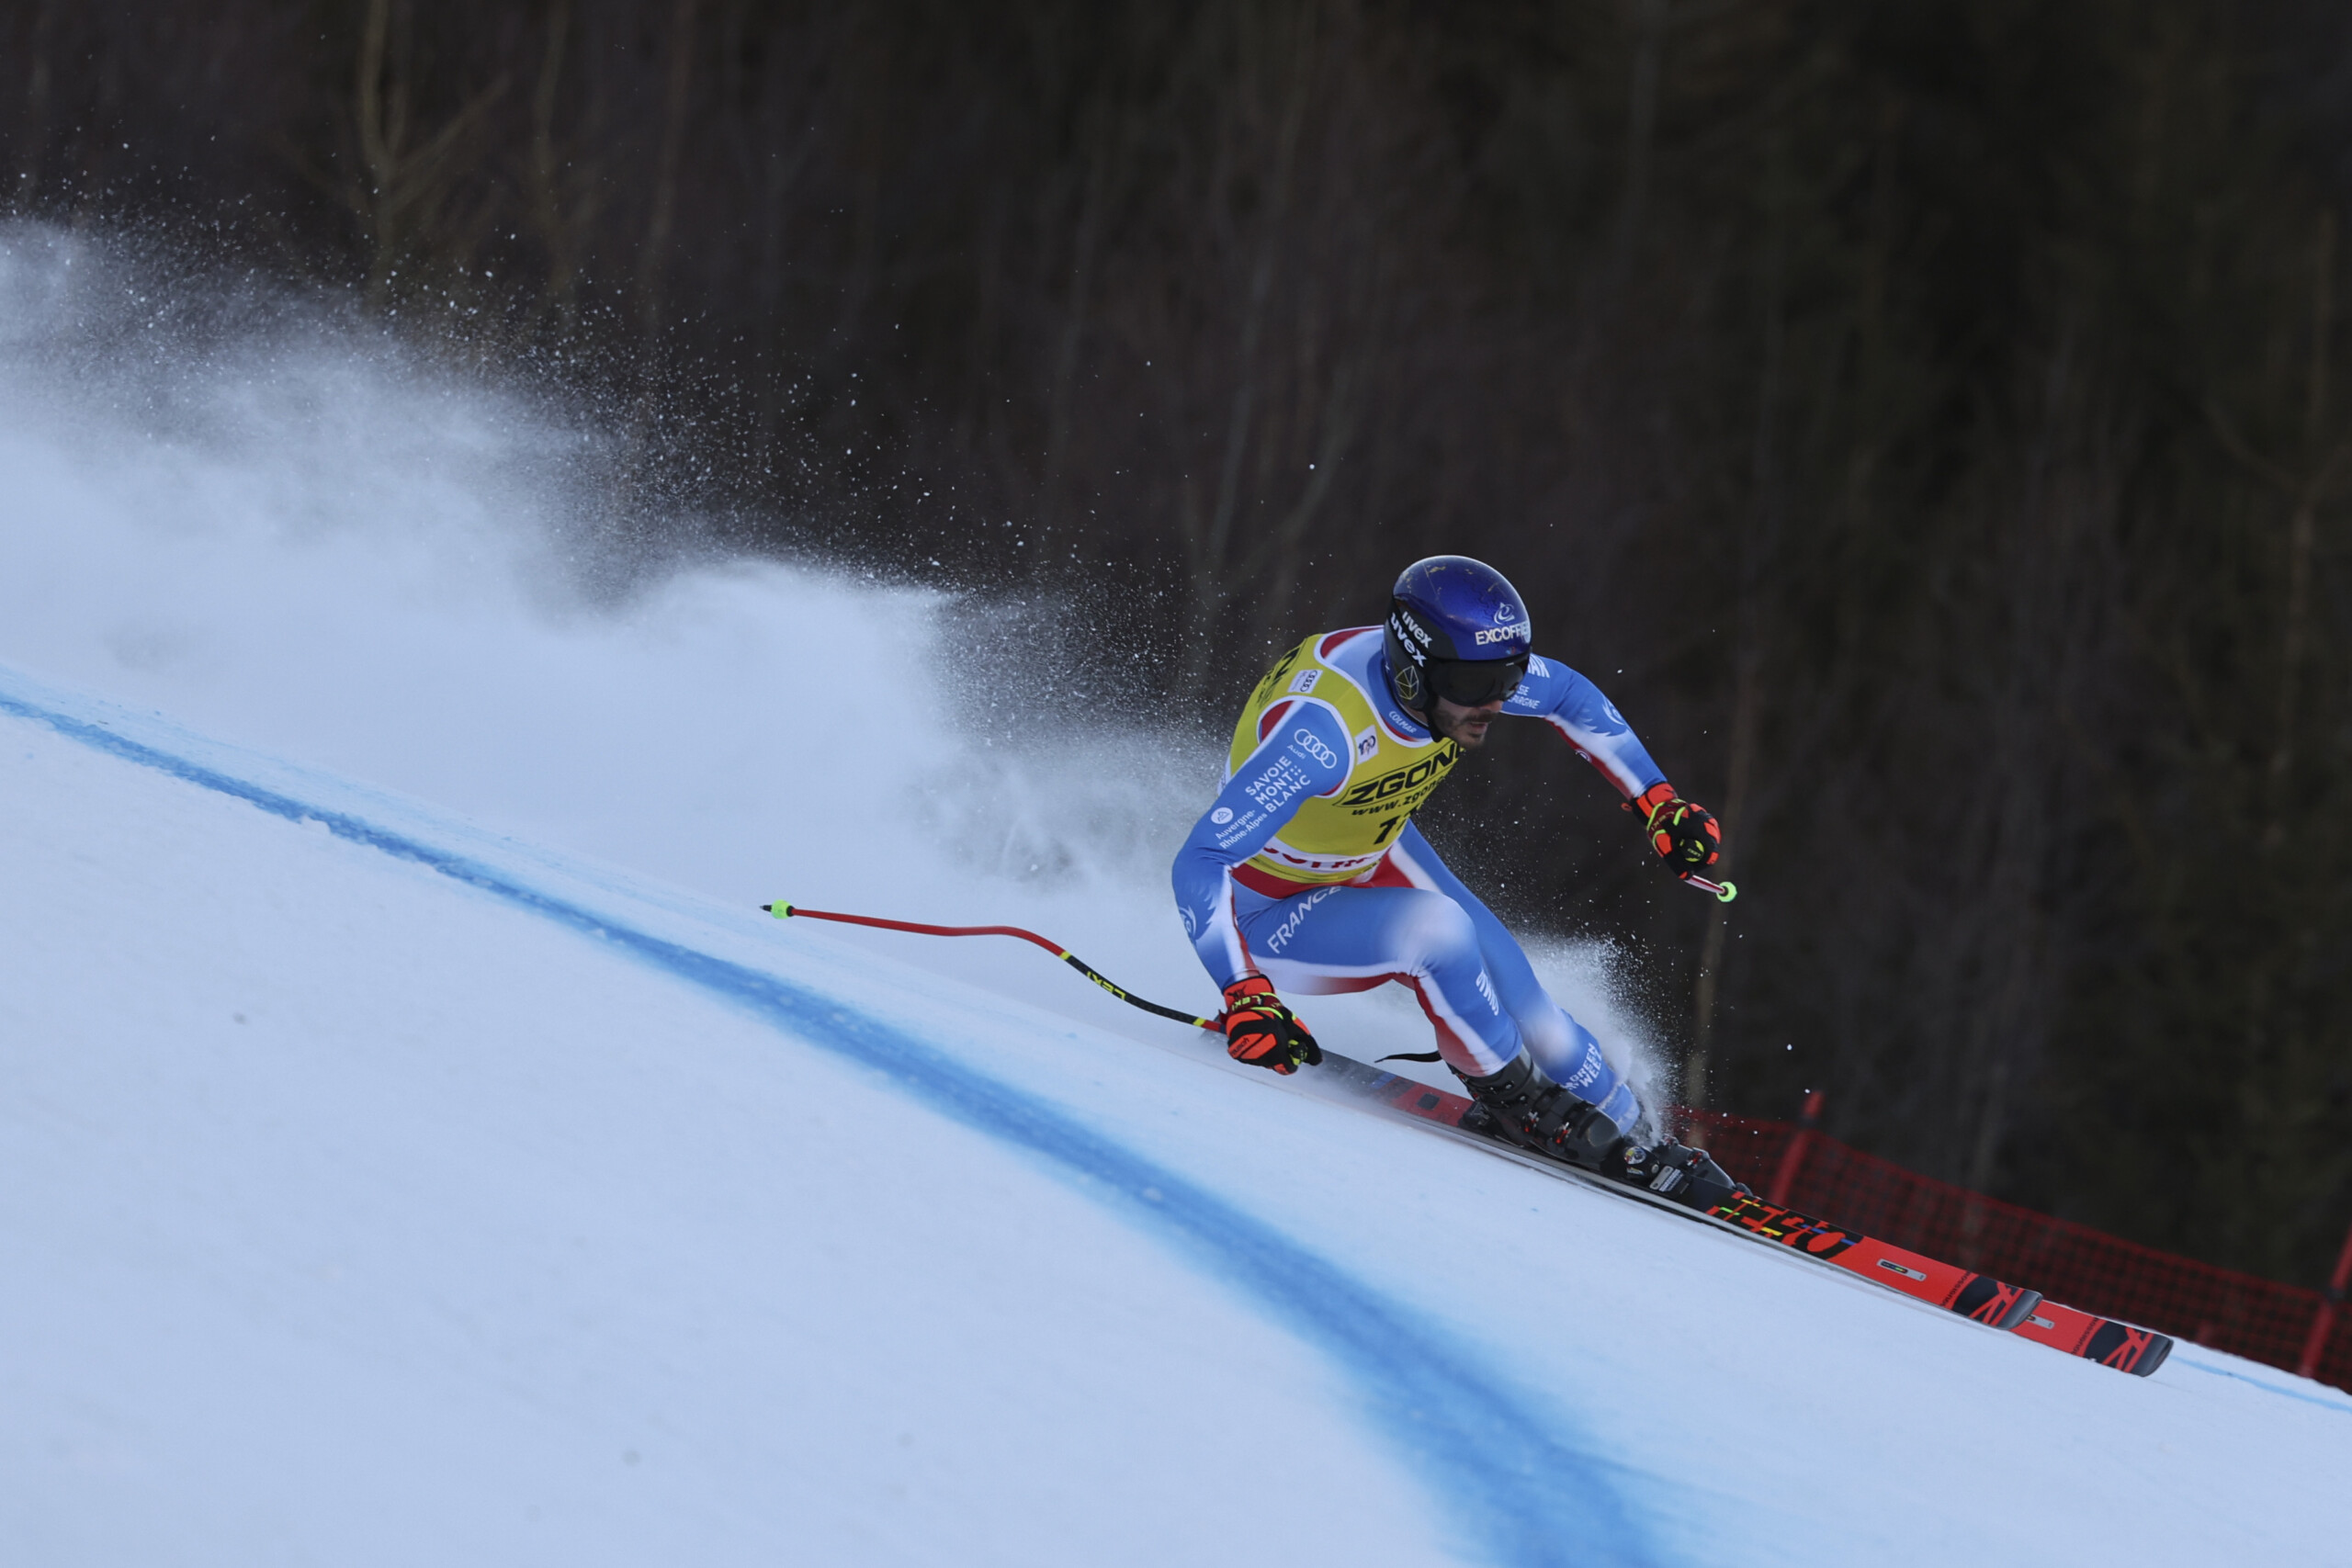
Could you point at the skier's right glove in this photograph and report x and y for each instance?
(1262, 1032)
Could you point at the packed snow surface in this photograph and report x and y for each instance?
(416, 1146)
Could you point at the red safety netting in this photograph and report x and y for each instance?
(2260, 1319)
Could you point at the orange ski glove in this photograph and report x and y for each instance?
(1262, 1032)
(1685, 836)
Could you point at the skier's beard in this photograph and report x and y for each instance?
(1466, 728)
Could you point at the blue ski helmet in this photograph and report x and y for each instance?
(1456, 629)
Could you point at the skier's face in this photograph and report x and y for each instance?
(1466, 728)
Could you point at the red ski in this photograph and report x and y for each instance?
(2102, 1339)
(1978, 1297)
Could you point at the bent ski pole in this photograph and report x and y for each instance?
(1725, 892)
(784, 911)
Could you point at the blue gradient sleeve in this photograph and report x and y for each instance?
(1574, 707)
(1308, 754)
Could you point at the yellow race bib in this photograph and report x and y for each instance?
(1340, 836)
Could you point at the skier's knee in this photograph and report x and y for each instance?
(1442, 934)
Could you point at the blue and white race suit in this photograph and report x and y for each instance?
(1307, 868)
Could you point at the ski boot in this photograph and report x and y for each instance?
(1521, 1105)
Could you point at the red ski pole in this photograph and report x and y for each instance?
(1724, 891)
(782, 911)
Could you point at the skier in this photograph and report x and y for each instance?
(1307, 871)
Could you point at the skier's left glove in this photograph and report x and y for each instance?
(1685, 836)
(1262, 1032)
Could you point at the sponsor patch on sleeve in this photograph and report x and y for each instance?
(1304, 681)
(1367, 742)
(1228, 836)
(1274, 788)
(1303, 743)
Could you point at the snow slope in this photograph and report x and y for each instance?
(379, 1190)
(486, 1181)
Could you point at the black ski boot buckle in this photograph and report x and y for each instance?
(1588, 1138)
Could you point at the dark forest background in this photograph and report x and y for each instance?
(1928, 419)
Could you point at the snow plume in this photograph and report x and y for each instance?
(290, 527)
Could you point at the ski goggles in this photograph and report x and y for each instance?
(1474, 683)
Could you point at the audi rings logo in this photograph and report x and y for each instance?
(1305, 744)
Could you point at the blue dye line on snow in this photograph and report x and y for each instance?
(1525, 1494)
(2338, 1404)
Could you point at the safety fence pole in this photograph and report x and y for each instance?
(1799, 1143)
(2324, 1320)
